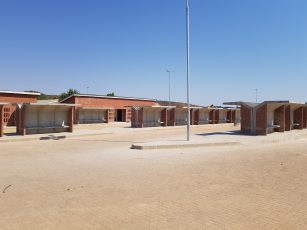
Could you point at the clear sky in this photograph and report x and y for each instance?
(126, 47)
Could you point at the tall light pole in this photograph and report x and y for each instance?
(87, 89)
(256, 91)
(188, 65)
(169, 87)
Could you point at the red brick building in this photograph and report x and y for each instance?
(99, 108)
(14, 98)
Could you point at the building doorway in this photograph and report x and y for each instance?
(119, 115)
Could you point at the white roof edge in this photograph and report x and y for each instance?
(105, 96)
(52, 104)
(22, 93)
(283, 102)
(95, 108)
(152, 106)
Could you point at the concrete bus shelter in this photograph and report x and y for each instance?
(223, 112)
(149, 116)
(36, 118)
(271, 116)
(90, 115)
(181, 116)
(205, 115)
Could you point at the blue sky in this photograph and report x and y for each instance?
(126, 47)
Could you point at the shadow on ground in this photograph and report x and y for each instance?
(52, 137)
(233, 133)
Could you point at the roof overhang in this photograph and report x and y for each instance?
(109, 97)
(95, 108)
(20, 93)
(53, 104)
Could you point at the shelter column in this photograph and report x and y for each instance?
(71, 119)
(22, 118)
(1, 120)
(279, 118)
(288, 118)
(299, 118)
(196, 117)
(305, 118)
(211, 117)
(262, 120)
(164, 117)
(217, 116)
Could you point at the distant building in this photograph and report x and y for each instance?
(13, 98)
(99, 108)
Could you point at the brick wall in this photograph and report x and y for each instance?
(212, 117)
(164, 117)
(116, 103)
(262, 120)
(305, 118)
(137, 120)
(299, 118)
(15, 98)
(246, 120)
(196, 117)
(171, 117)
(1, 120)
(287, 118)
(217, 116)
(279, 118)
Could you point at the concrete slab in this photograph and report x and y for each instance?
(179, 144)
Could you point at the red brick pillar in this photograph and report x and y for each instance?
(111, 115)
(287, 118)
(141, 118)
(212, 117)
(299, 118)
(196, 117)
(164, 117)
(171, 117)
(305, 118)
(1, 120)
(217, 116)
(246, 122)
(262, 120)
(71, 119)
(191, 117)
(128, 114)
(279, 118)
(124, 115)
(76, 117)
(229, 116)
(22, 120)
(233, 116)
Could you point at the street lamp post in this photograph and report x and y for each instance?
(169, 87)
(256, 91)
(188, 65)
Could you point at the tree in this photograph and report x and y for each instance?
(111, 94)
(67, 94)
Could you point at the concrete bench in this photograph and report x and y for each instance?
(295, 124)
(48, 127)
(274, 126)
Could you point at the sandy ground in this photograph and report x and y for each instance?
(98, 182)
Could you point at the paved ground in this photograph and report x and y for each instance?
(97, 182)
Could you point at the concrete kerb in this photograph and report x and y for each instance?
(181, 144)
